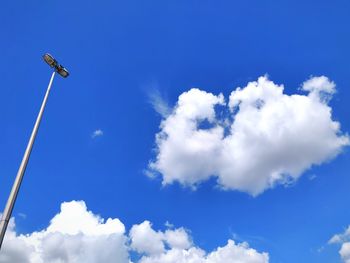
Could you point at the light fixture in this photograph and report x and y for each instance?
(52, 62)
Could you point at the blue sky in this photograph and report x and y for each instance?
(119, 55)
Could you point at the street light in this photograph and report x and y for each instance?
(16, 185)
(54, 64)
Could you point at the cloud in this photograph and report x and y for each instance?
(344, 240)
(14, 249)
(22, 215)
(319, 85)
(260, 138)
(77, 235)
(345, 252)
(145, 239)
(231, 252)
(73, 235)
(159, 104)
(176, 246)
(97, 133)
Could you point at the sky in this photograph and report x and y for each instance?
(187, 131)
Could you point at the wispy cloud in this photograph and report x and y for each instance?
(22, 215)
(97, 133)
(159, 104)
(312, 177)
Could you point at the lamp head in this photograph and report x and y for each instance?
(62, 71)
(52, 62)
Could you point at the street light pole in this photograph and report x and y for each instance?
(17, 184)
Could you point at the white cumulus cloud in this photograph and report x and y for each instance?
(77, 235)
(259, 138)
(319, 85)
(74, 235)
(176, 246)
(145, 239)
(344, 240)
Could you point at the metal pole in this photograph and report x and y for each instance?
(16, 185)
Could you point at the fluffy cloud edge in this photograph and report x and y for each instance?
(260, 138)
(76, 234)
(344, 240)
